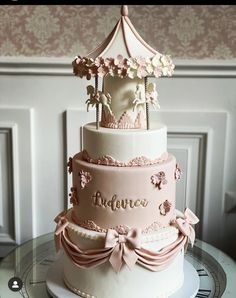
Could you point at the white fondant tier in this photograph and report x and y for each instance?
(125, 145)
(103, 282)
(131, 196)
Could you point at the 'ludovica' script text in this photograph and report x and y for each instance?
(116, 204)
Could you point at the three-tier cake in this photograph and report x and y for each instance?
(122, 237)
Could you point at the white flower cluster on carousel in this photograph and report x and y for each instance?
(159, 65)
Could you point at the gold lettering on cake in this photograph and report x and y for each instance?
(131, 203)
(115, 204)
(118, 204)
(144, 203)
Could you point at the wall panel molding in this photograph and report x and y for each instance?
(1, 192)
(190, 151)
(75, 119)
(62, 66)
(8, 218)
(209, 129)
(16, 123)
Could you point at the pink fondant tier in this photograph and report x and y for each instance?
(127, 196)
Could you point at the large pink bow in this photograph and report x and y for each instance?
(123, 247)
(62, 222)
(184, 224)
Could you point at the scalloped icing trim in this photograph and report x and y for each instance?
(108, 160)
(124, 122)
(163, 233)
(90, 225)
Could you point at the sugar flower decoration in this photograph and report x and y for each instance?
(159, 179)
(119, 61)
(99, 61)
(167, 66)
(102, 71)
(141, 72)
(73, 196)
(156, 60)
(69, 165)
(157, 66)
(85, 178)
(109, 62)
(165, 207)
(141, 61)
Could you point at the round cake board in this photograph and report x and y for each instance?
(57, 288)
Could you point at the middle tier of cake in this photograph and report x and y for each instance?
(109, 196)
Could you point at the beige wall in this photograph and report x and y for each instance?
(184, 31)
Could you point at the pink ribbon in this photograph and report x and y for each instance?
(123, 247)
(184, 224)
(62, 223)
(94, 257)
(157, 261)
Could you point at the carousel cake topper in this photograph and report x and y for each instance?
(123, 60)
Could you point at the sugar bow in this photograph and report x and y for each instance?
(184, 224)
(123, 247)
(62, 222)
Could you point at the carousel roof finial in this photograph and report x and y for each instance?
(124, 10)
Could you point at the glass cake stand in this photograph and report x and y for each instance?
(31, 261)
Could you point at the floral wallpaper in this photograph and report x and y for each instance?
(183, 31)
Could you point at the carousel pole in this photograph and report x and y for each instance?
(97, 104)
(147, 106)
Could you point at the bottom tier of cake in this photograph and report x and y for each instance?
(102, 281)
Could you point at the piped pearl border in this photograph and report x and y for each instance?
(162, 234)
(77, 291)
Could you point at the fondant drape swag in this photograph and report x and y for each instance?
(119, 249)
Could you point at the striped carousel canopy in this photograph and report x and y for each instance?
(123, 53)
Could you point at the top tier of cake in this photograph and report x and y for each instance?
(124, 147)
